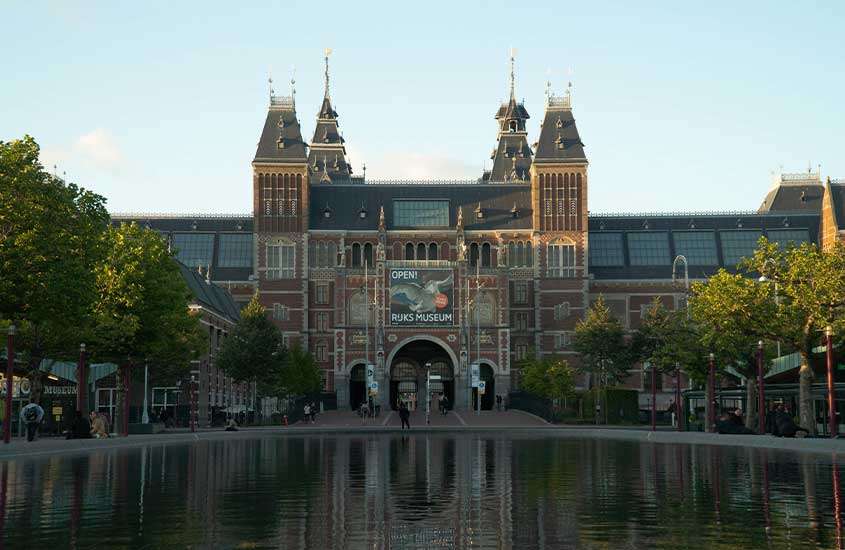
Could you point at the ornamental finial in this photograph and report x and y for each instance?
(513, 78)
(328, 53)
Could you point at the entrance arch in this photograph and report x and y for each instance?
(357, 386)
(407, 372)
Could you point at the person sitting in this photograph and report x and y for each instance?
(786, 426)
(79, 428)
(731, 424)
(231, 425)
(99, 429)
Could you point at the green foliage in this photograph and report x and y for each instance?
(301, 375)
(622, 405)
(49, 239)
(142, 313)
(254, 350)
(600, 339)
(549, 377)
(669, 340)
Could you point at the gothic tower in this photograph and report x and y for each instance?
(512, 155)
(280, 209)
(559, 204)
(327, 159)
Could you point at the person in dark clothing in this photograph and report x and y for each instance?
(80, 428)
(444, 405)
(404, 415)
(728, 424)
(785, 425)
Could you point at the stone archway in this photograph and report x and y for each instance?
(406, 372)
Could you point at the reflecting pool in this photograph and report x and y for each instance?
(422, 491)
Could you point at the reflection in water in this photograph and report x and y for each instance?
(423, 491)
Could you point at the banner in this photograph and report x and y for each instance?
(421, 297)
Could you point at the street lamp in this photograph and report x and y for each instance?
(831, 405)
(145, 417)
(10, 368)
(428, 392)
(761, 391)
(653, 397)
(81, 382)
(678, 408)
(764, 279)
(680, 258)
(711, 394)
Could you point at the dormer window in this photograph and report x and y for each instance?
(514, 211)
(363, 212)
(559, 141)
(281, 123)
(479, 212)
(327, 211)
(559, 123)
(513, 126)
(280, 142)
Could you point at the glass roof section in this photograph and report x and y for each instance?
(234, 250)
(649, 248)
(698, 247)
(737, 245)
(606, 250)
(194, 249)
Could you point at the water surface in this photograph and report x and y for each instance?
(422, 491)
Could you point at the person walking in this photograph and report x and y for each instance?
(306, 411)
(444, 405)
(31, 416)
(313, 412)
(404, 415)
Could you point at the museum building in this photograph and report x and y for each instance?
(419, 277)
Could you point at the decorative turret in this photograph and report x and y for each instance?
(281, 138)
(512, 155)
(327, 161)
(559, 140)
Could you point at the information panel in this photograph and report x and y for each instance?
(421, 297)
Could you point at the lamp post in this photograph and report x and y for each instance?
(10, 368)
(653, 398)
(81, 382)
(764, 279)
(831, 404)
(193, 422)
(680, 258)
(145, 417)
(711, 394)
(679, 410)
(761, 391)
(428, 392)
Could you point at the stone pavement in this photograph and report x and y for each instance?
(454, 419)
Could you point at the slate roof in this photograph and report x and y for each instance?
(512, 155)
(794, 198)
(837, 197)
(559, 139)
(169, 224)
(327, 157)
(281, 138)
(209, 295)
(717, 223)
(345, 201)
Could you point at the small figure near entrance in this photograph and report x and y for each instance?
(231, 425)
(32, 415)
(444, 404)
(499, 403)
(306, 411)
(404, 415)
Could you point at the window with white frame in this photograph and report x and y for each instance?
(561, 311)
(561, 340)
(321, 351)
(281, 312)
(561, 259)
(520, 293)
(322, 321)
(281, 261)
(520, 351)
(520, 320)
(322, 294)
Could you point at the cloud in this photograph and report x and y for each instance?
(97, 150)
(398, 165)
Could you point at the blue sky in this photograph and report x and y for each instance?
(681, 105)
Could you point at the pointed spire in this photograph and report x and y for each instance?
(328, 53)
(293, 86)
(513, 78)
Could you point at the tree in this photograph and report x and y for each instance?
(549, 377)
(254, 350)
(300, 375)
(142, 315)
(670, 341)
(606, 353)
(50, 236)
(810, 296)
(600, 339)
(731, 312)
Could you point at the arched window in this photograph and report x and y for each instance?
(332, 255)
(560, 258)
(512, 254)
(403, 370)
(356, 255)
(409, 251)
(520, 254)
(529, 254)
(421, 251)
(485, 255)
(368, 254)
(432, 251)
(473, 254)
(483, 308)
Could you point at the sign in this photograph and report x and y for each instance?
(482, 385)
(435, 377)
(475, 374)
(421, 297)
(374, 388)
(60, 390)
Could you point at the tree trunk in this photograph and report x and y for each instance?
(807, 418)
(751, 403)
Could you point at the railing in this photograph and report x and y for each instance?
(801, 176)
(175, 215)
(419, 263)
(559, 102)
(281, 101)
(680, 214)
(355, 180)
